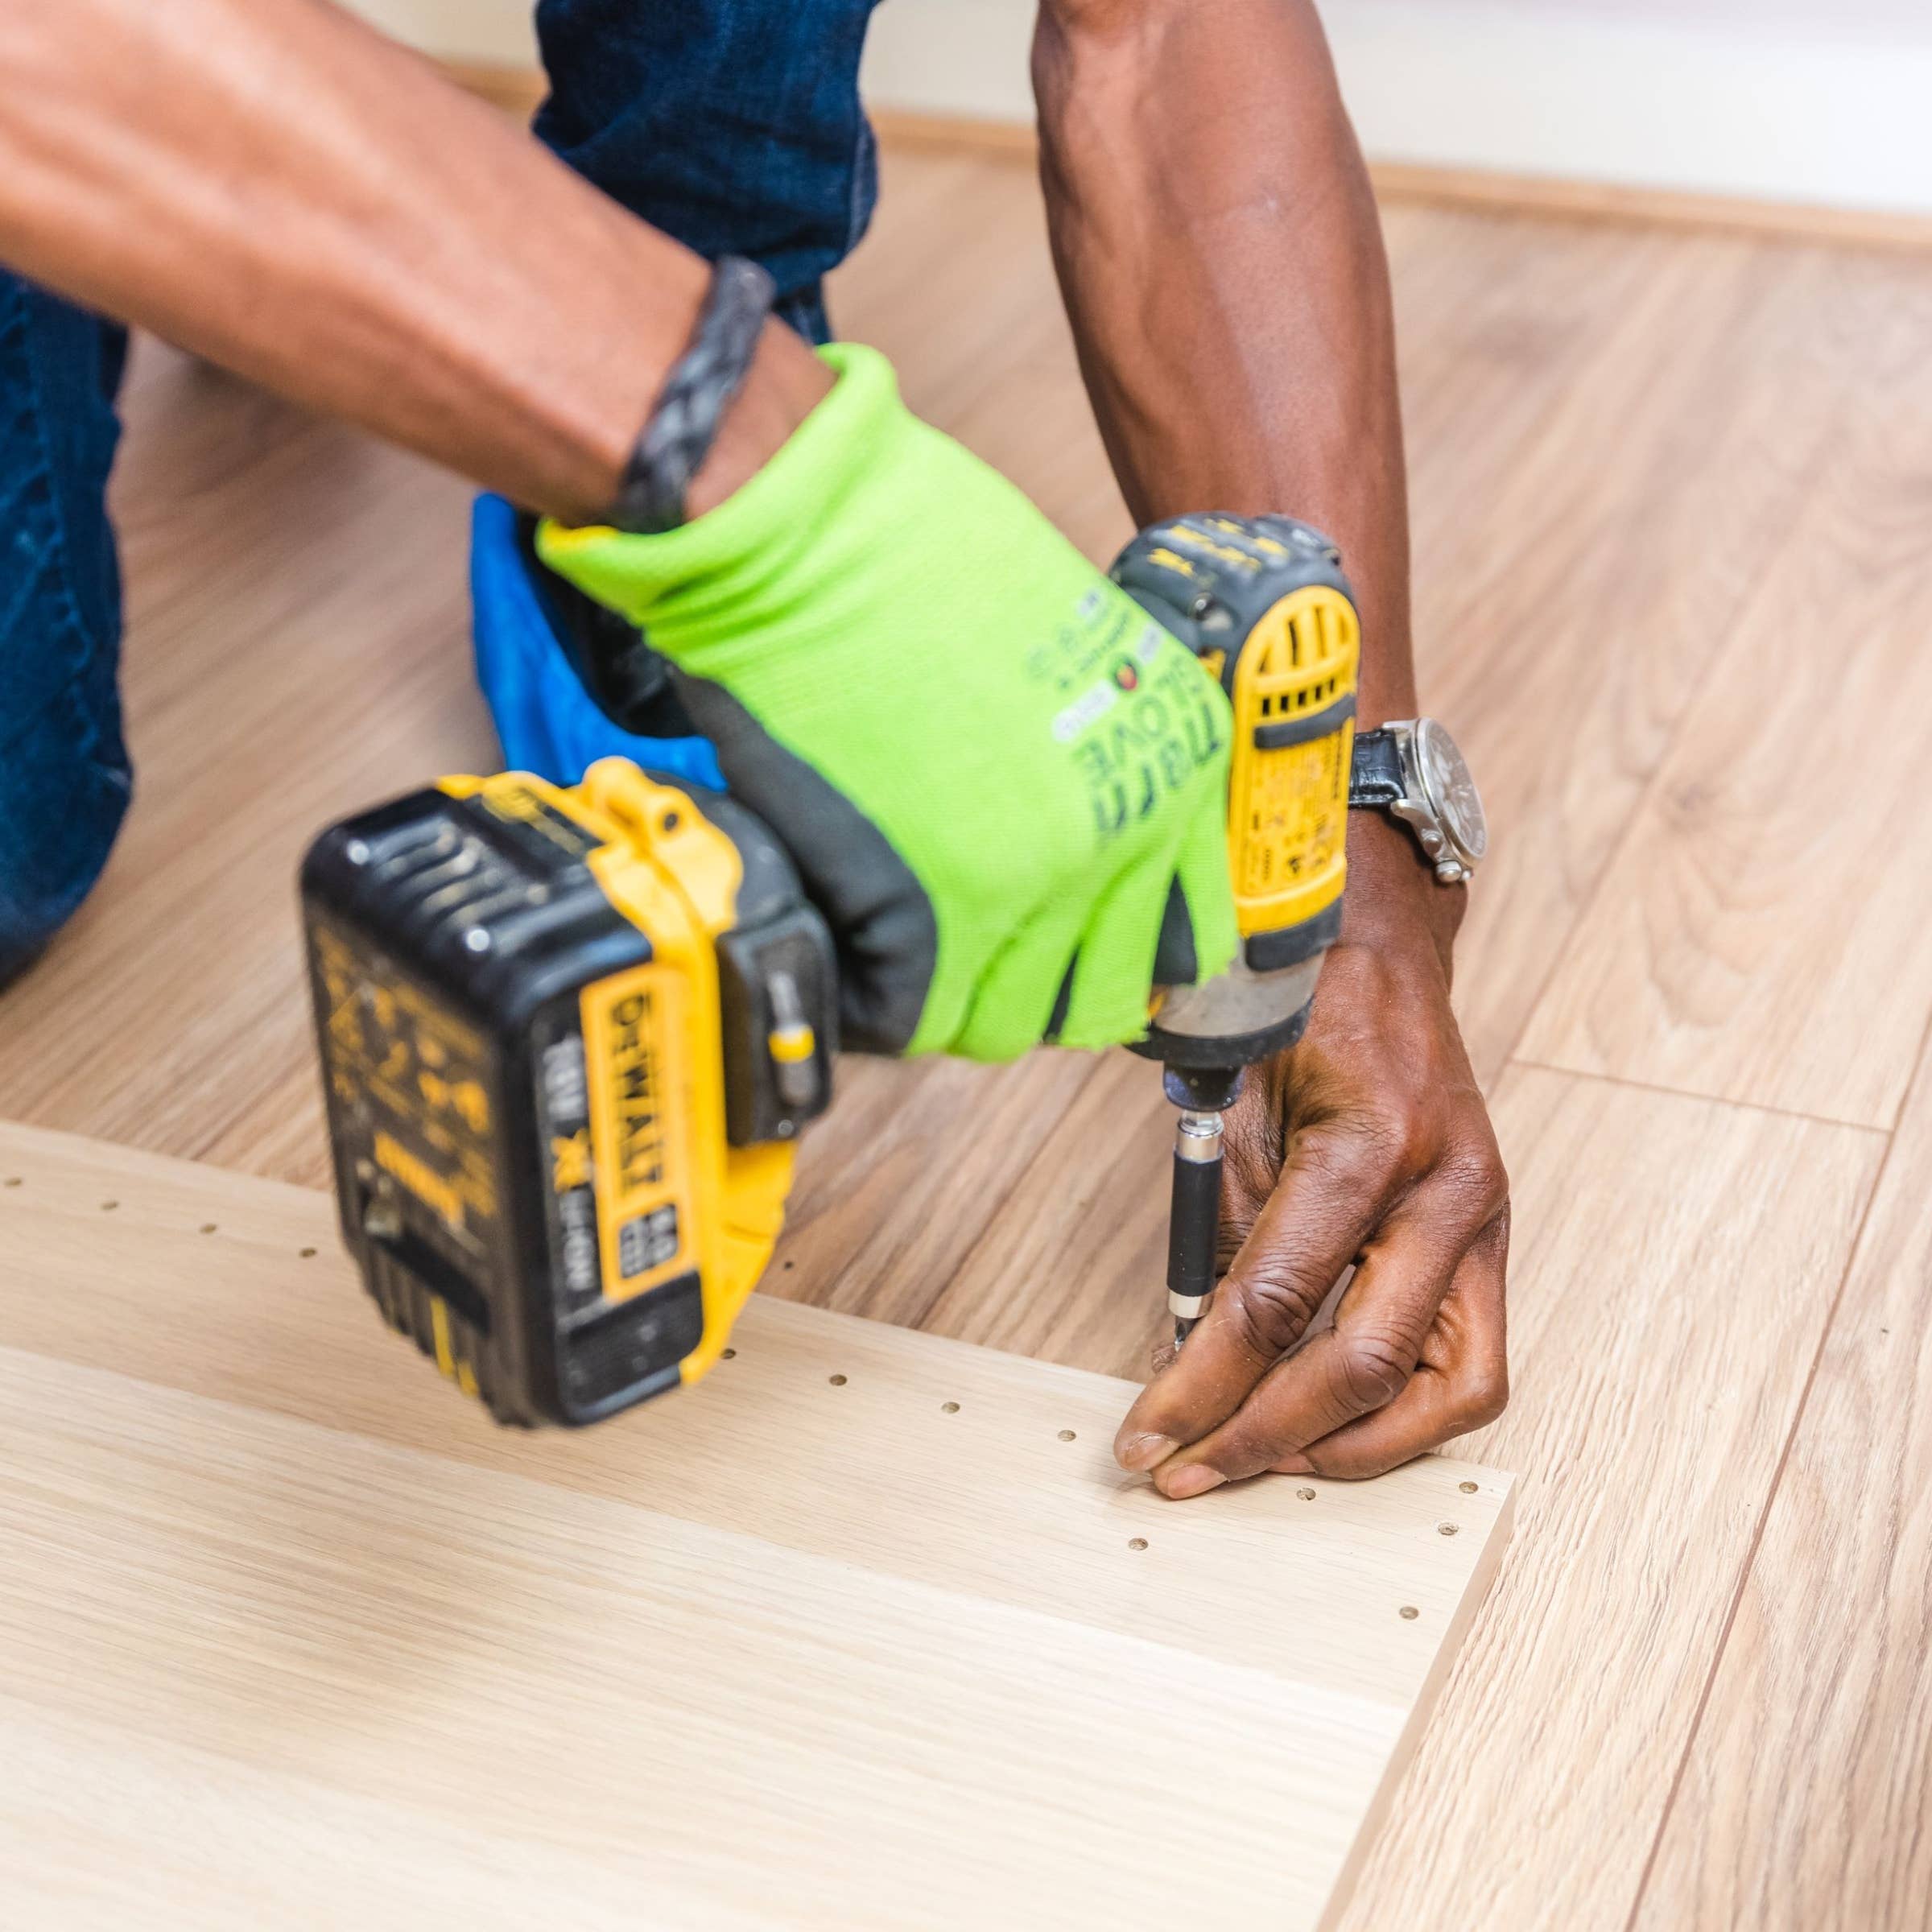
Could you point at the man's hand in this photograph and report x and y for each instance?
(1367, 1144)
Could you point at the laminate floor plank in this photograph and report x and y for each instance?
(1806, 1800)
(1762, 935)
(1571, 606)
(1666, 1301)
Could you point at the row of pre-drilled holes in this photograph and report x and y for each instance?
(1409, 1610)
(307, 1254)
(839, 1381)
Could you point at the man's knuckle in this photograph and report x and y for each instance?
(1409, 1131)
(1476, 1180)
(1366, 1161)
(1271, 1309)
(1484, 1397)
(1372, 1369)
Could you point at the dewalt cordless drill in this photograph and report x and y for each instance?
(1264, 605)
(569, 1036)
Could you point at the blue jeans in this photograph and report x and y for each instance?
(733, 125)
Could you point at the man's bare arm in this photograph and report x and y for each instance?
(1218, 243)
(1223, 264)
(272, 184)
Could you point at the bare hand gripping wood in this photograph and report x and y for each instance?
(867, 1632)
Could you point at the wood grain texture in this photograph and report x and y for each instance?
(1667, 1296)
(1807, 1800)
(298, 647)
(1669, 494)
(1762, 935)
(781, 1651)
(1606, 469)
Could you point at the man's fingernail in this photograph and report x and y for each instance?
(1197, 1479)
(1144, 1451)
(1295, 1465)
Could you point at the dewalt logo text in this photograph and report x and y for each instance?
(636, 1090)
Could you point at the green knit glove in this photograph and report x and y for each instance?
(992, 769)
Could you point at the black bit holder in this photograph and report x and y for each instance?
(1193, 1217)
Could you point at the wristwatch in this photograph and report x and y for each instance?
(1411, 768)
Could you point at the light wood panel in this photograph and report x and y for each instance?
(866, 1632)
(1673, 1268)
(1806, 1800)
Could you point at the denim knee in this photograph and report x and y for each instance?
(64, 776)
(734, 125)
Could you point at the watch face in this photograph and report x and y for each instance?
(1451, 791)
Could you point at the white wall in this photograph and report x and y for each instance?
(1820, 101)
(490, 32)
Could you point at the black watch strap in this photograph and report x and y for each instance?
(1377, 780)
(673, 444)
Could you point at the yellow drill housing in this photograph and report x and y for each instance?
(1263, 603)
(1293, 695)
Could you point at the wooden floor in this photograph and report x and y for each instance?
(1673, 511)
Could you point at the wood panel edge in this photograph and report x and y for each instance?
(1482, 1580)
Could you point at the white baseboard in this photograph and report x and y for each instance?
(1810, 101)
(494, 33)
(1785, 105)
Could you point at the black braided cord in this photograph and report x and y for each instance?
(683, 421)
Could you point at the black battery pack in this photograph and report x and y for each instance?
(515, 1091)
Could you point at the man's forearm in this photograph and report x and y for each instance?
(1218, 245)
(271, 184)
